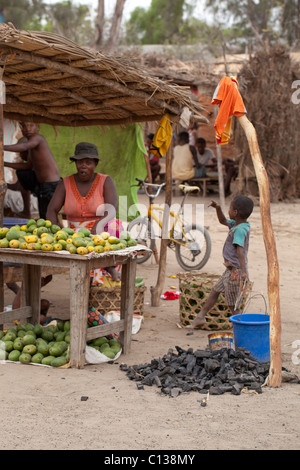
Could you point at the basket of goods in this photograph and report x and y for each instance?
(106, 299)
(195, 288)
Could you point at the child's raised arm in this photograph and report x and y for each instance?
(221, 217)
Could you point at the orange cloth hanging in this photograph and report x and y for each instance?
(230, 102)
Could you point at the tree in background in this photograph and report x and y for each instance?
(256, 20)
(22, 13)
(165, 22)
(71, 21)
(290, 22)
(162, 23)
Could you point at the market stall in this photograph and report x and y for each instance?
(48, 79)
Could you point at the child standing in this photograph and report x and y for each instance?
(235, 252)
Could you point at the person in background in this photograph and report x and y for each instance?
(185, 165)
(153, 159)
(40, 174)
(206, 157)
(25, 193)
(193, 133)
(87, 197)
(235, 254)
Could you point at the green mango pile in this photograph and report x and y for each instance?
(49, 345)
(36, 344)
(108, 347)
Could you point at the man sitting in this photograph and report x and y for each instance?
(185, 164)
(206, 157)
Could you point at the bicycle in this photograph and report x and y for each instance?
(191, 242)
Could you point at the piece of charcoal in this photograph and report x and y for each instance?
(211, 365)
(167, 370)
(157, 381)
(180, 350)
(147, 381)
(245, 378)
(215, 391)
(191, 362)
(140, 386)
(225, 388)
(236, 389)
(124, 367)
(204, 354)
(175, 392)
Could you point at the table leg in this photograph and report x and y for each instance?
(79, 299)
(127, 301)
(32, 286)
(1, 290)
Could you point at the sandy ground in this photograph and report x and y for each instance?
(41, 407)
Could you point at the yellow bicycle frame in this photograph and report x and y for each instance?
(153, 216)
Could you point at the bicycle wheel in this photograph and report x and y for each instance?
(194, 251)
(140, 230)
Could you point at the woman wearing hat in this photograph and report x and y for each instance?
(83, 196)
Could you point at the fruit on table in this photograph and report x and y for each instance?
(43, 235)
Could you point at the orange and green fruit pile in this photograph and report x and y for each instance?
(43, 235)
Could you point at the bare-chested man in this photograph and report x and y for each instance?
(40, 174)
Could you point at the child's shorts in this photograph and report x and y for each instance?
(230, 284)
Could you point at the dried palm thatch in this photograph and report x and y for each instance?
(51, 80)
(266, 87)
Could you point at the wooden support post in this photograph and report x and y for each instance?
(270, 245)
(127, 302)
(157, 290)
(79, 299)
(32, 282)
(3, 185)
(220, 171)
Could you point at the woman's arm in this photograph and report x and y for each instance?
(56, 203)
(109, 209)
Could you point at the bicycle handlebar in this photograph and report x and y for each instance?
(158, 187)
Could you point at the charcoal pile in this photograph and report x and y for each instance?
(203, 371)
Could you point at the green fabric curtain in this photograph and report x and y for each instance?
(121, 151)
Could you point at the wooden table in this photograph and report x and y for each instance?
(79, 267)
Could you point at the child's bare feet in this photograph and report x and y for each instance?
(198, 321)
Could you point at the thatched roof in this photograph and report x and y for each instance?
(52, 80)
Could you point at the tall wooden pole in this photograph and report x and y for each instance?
(270, 245)
(3, 185)
(220, 170)
(157, 290)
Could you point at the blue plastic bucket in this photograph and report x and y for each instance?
(252, 332)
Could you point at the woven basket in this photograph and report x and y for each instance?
(194, 288)
(107, 299)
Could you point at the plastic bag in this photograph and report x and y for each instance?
(92, 356)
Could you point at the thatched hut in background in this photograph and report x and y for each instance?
(266, 86)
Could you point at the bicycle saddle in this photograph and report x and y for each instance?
(188, 189)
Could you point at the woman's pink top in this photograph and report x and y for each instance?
(79, 208)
